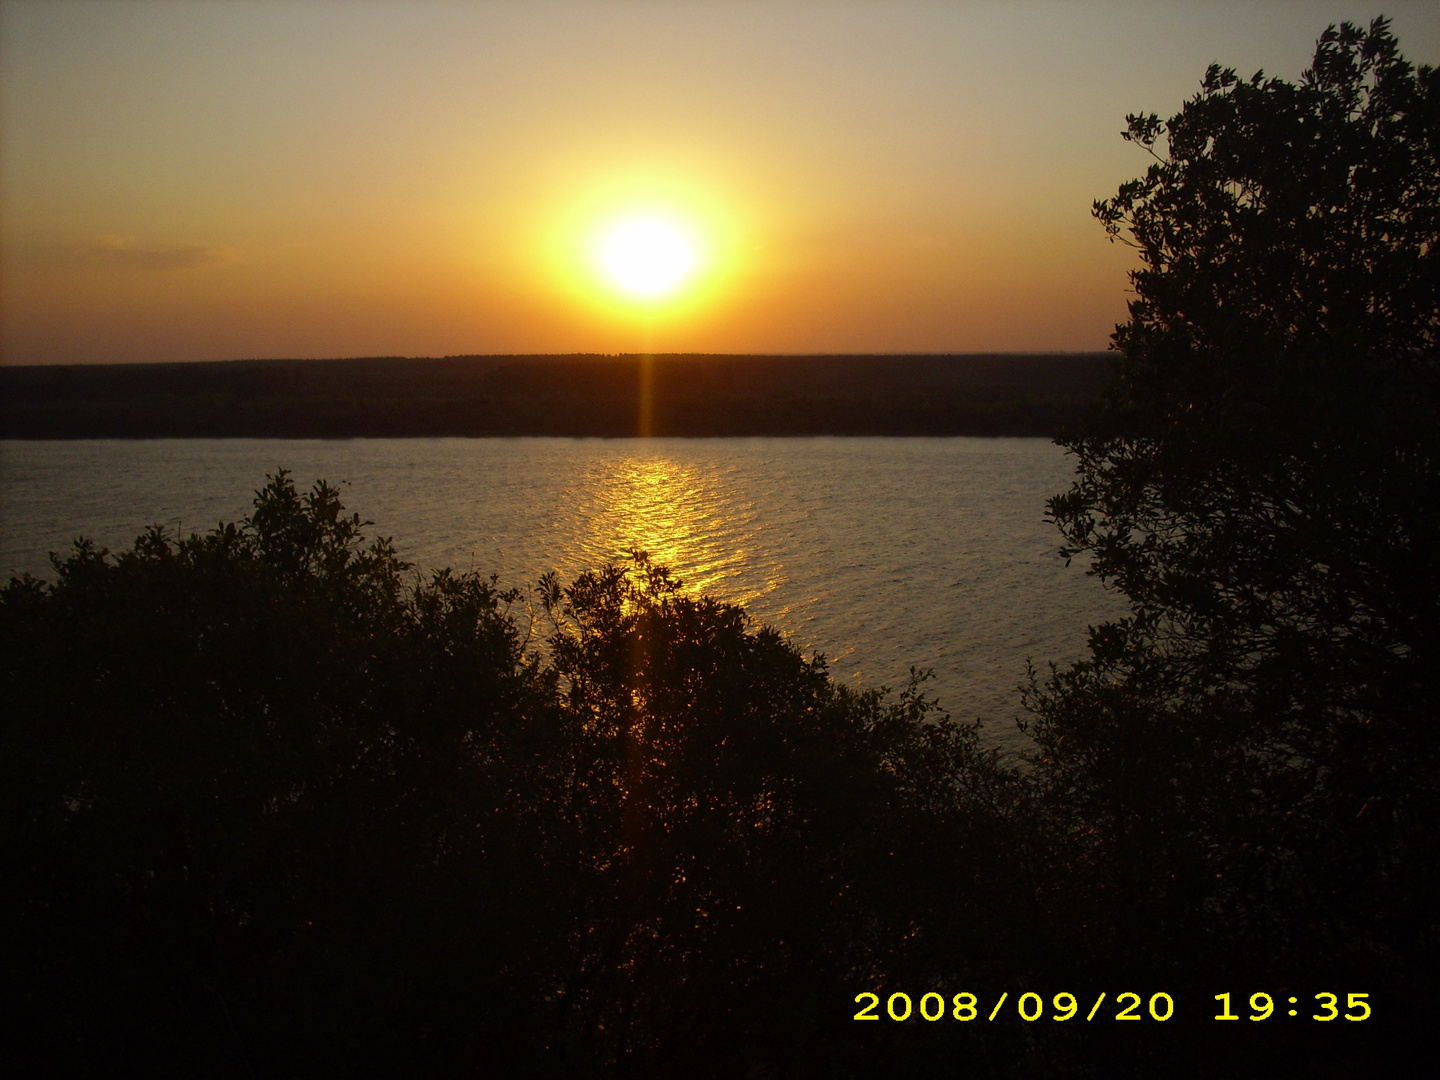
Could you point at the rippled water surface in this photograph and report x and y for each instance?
(879, 553)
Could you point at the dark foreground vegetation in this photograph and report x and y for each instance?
(553, 395)
(272, 807)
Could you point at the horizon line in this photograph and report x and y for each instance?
(554, 355)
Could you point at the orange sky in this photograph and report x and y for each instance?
(205, 181)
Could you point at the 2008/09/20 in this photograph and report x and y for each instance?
(1030, 1006)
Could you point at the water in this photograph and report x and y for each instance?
(878, 553)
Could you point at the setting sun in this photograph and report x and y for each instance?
(643, 249)
(647, 258)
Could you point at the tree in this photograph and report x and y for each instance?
(747, 832)
(268, 806)
(1252, 755)
(235, 771)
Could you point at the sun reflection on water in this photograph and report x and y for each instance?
(683, 517)
(880, 553)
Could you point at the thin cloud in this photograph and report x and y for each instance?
(124, 251)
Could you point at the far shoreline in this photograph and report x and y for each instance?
(567, 396)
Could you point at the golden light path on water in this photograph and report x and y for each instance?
(878, 553)
(680, 517)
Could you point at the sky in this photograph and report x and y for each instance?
(242, 179)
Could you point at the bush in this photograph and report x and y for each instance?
(276, 807)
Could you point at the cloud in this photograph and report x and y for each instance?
(125, 252)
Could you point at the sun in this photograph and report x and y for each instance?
(647, 257)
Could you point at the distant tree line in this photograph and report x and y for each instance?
(687, 395)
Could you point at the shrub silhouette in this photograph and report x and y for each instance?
(1251, 758)
(277, 807)
(232, 774)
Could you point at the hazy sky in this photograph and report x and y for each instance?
(192, 181)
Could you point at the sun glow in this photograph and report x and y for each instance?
(642, 258)
(647, 258)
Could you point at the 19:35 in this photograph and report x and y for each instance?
(1262, 1005)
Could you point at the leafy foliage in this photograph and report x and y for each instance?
(1252, 756)
(281, 807)
(271, 804)
(230, 763)
(736, 808)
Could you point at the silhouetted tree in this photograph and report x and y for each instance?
(1248, 765)
(752, 835)
(242, 774)
(270, 806)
